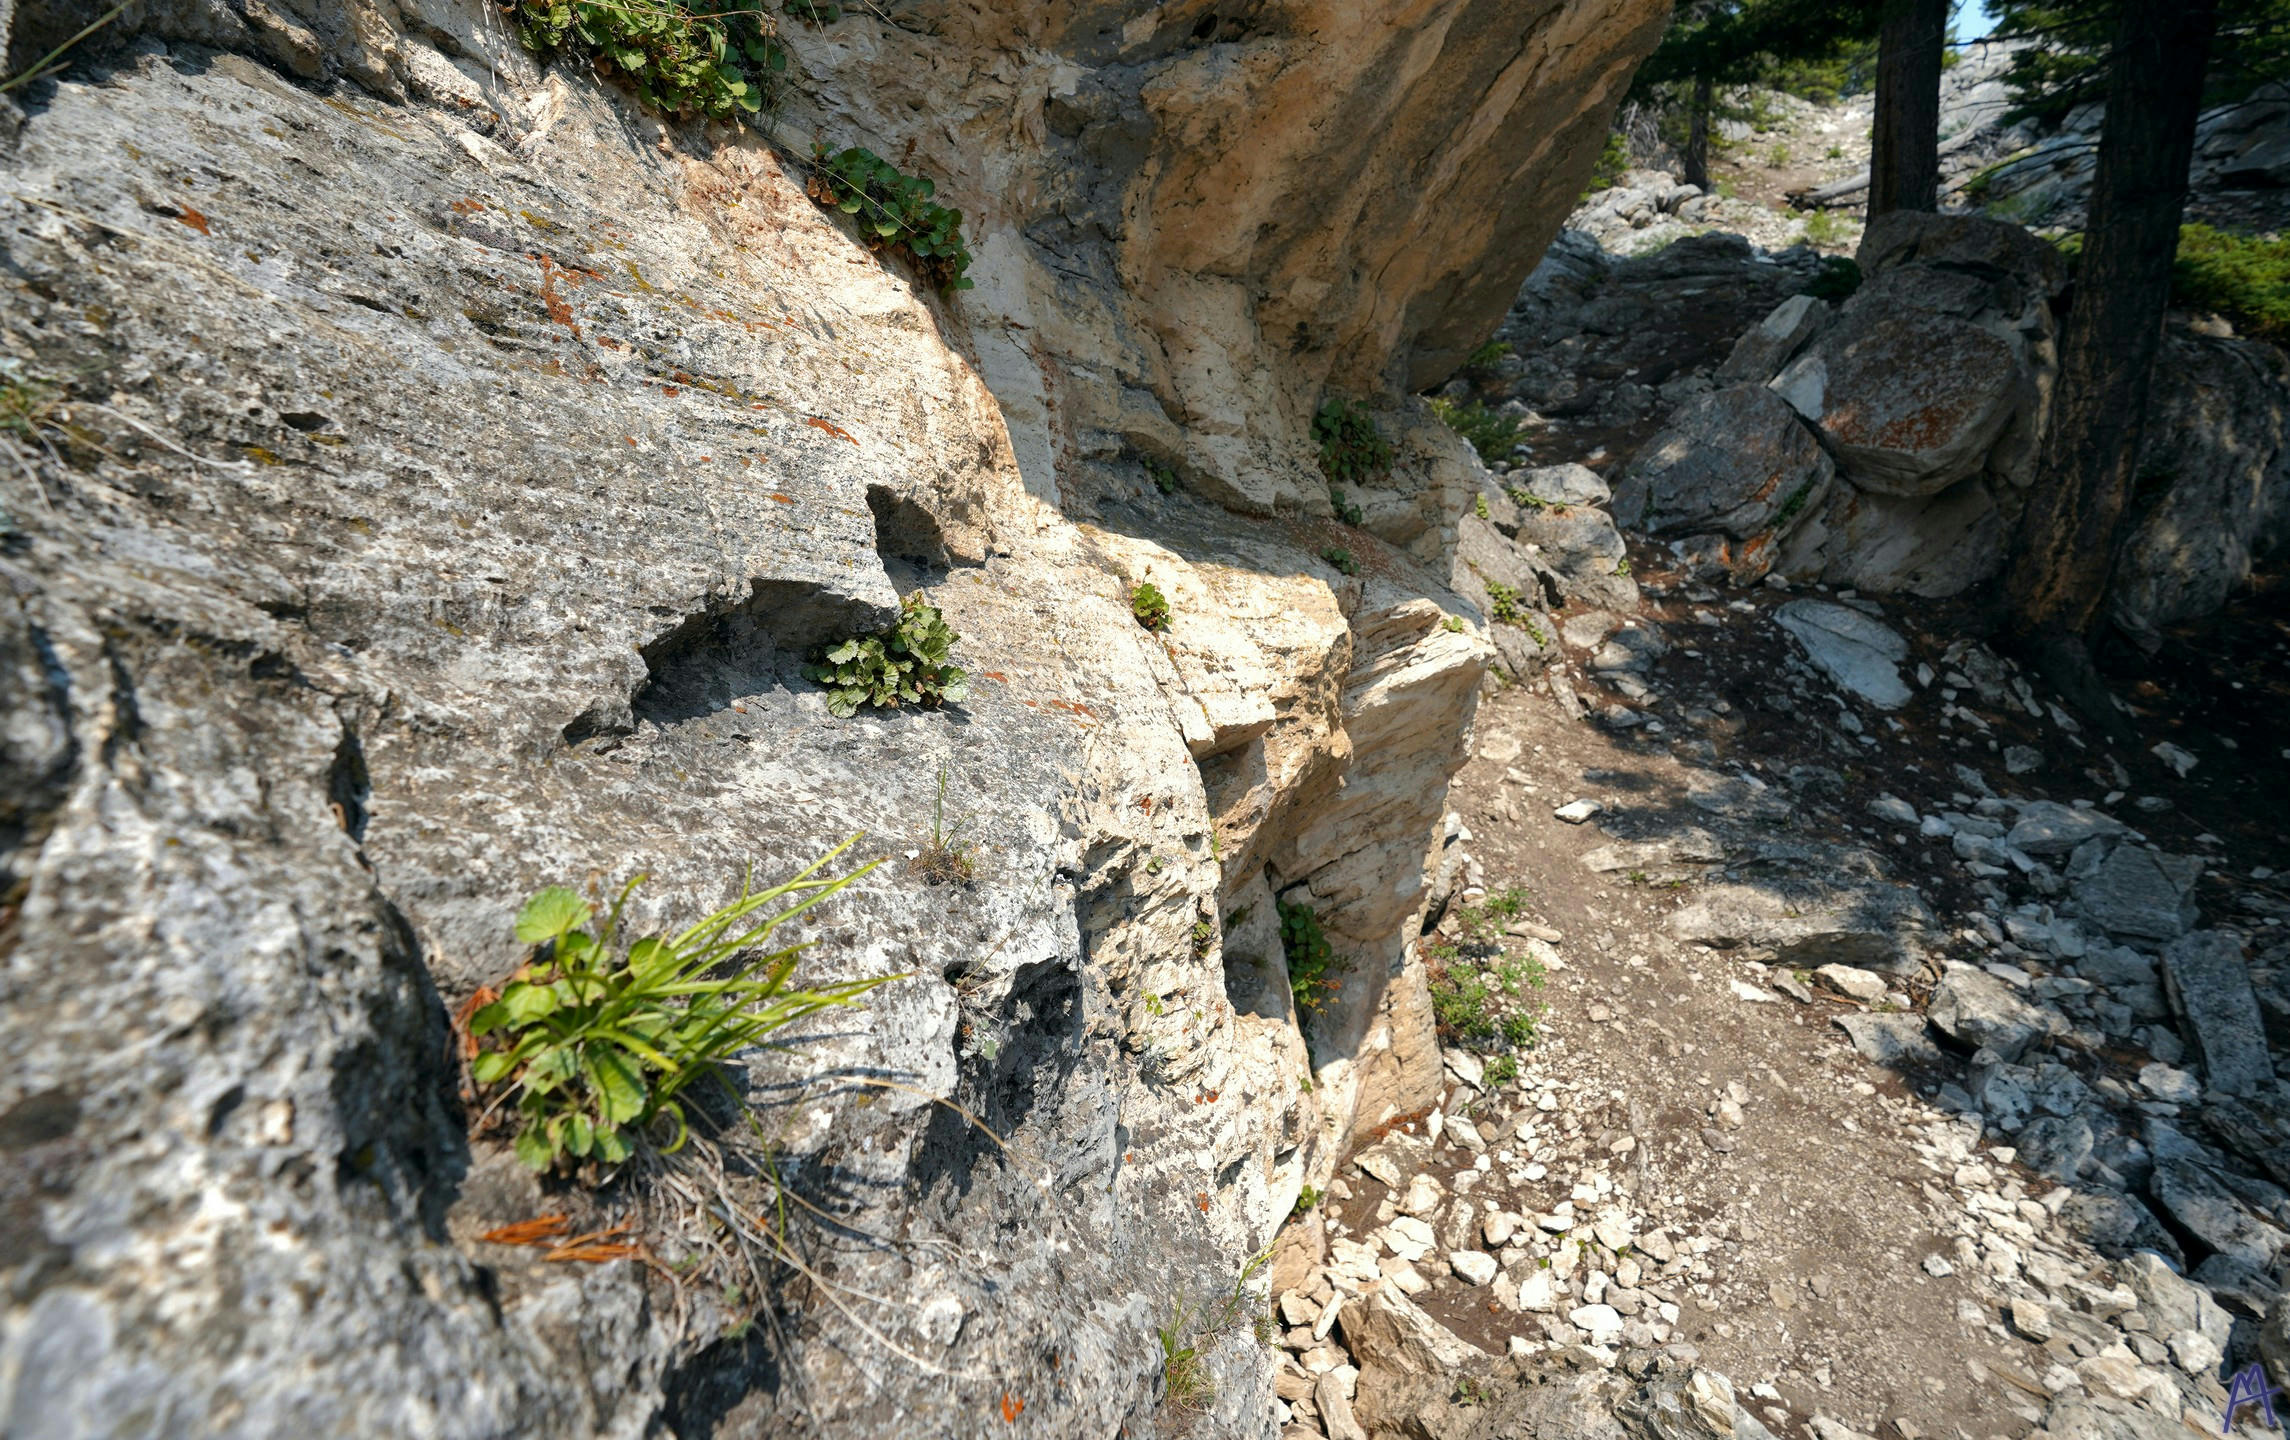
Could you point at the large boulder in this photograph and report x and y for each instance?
(1735, 461)
(1933, 545)
(1909, 401)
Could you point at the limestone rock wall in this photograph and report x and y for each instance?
(445, 468)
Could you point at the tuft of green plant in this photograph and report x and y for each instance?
(721, 61)
(1352, 449)
(1184, 1381)
(1622, 566)
(592, 1042)
(1164, 479)
(1492, 433)
(1836, 152)
(1526, 499)
(1341, 558)
(1204, 936)
(894, 210)
(1836, 280)
(1479, 504)
(1346, 511)
(1149, 606)
(1778, 156)
(1470, 1392)
(1312, 963)
(944, 859)
(1793, 504)
(1452, 624)
(1502, 1070)
(1307, 1200)
(905, 664)
(1487, 356)
(1504, 600)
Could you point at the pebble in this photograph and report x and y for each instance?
(1574, 812)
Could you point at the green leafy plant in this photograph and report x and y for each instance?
(944, 859)
(1476, 986)
(1352, 450)
(905, 664)
(1312, 963)
(721, 61)
(1345, 509)
(1149, 606)
(2246, 278)
(894, 211)
(1479, 504)
(1836, 280)
(1526, 499)
(1452, 624)
(1204, 937)
(1307, 1200)
(1492, 433)
(1184, 1381)
(1504, 600)
(1341, 558)
(591, 1042)
(1622, 566)
(1502, 1070)
(1826, 227)
(1164, 479)
(1836, 152)
(1612, 161)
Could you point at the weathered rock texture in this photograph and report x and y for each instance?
(448, 478)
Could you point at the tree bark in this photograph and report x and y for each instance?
(1904, 150)
(2108, 344)
(1697, 156)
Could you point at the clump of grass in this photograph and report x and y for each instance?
(2244, 277)
(719, 60)
(1341, 558)
(904, 665)
(894, 211)
(1825, 227)
(1487, 356)
(591, 1042)
(1492, 433)
(945, 858)
(1612, 161)
(1313, 966)
(1185, 1382)
(1149, 606)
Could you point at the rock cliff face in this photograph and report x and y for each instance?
(444, 470)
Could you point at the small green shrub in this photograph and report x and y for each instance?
(1345, 510)
(1341, 558)
(1164, 479)
(1526, 499)
(1479, 504)
(1836, 152)
(1352, 450)
(1149, 606)
(1312, 963)
(1501, 1070)
(720, 61)
(2243, 277)
(1307, 1200)
(1777, 157)
(591, 1042)
(1487, 356)
(904, 665)
(1836, 280)
(1825, 227)
(1492, 433)
(1204, 937)
(1505, 602)
(1612, 162)
(894, 210)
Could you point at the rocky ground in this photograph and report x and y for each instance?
(1904, 1063)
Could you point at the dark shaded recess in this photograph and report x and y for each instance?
(1039, 1025)
(699, 1396)
(38, 751)
(904, 530)
(348, 785)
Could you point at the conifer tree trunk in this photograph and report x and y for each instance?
(2068, 538)
(1697, 156)
(1904, 152)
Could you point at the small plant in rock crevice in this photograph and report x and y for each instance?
(1313, 967)
(1163, 477)
(591, 1041)
(945, 858)
(1186, 1384)
(1836, 280)
(1307, 1200)
(904, 665)
(1341, 558)
(894, 212)
(721, 61)
(1503, 600)
(1149, 606)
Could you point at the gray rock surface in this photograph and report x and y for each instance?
(1862, 655)
(1761, 352)
(1909, 401)
(2208, 982)
(1731, 461)
(1981, 1012)
(2140, 892)
(1894, 1040)
(2200, 1205)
